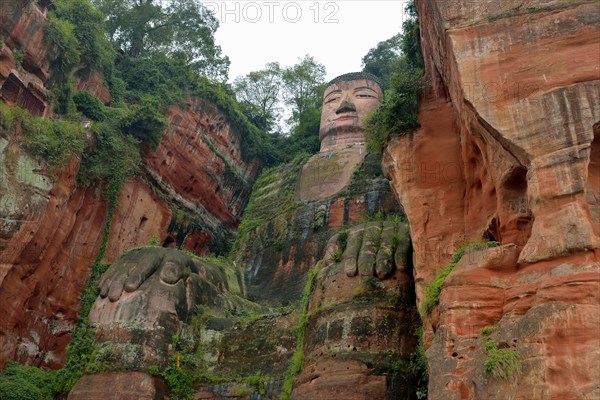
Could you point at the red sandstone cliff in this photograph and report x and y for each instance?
(52, 229)
(508, 150)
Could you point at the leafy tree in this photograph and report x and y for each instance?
(181, 28)
(382, 59)
(88, 22)
(398, 110)
(89, 105)
(411, 39)
(59, 35)
(259, 93)
(303, 85)
(144, 123)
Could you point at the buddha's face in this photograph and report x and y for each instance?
(345, 106)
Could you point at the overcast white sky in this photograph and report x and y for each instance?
(336, 33)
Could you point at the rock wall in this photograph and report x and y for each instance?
(198, 167)
(191, 195)
(52, 229)
(507, 151)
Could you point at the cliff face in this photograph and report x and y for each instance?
(52, 229)
(507, 151)
(199, 167)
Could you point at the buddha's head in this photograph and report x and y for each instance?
(346, 102)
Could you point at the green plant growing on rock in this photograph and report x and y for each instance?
(53, 141)
(153, 241)
(433, 291)
(487, 330)
(22, 382)
(19, 55)
(89, 105)
(337, 255)
(501, 363)
(419, 366)
(343, 237)
(298, 357)
(372, 283)
(398, 111)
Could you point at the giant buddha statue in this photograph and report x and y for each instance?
(348, 99)
(334, 212)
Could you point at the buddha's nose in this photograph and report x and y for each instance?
(346, 106)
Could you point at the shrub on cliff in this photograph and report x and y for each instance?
(54, 141)
(433, 291)
(398, 110)
(501, 363)
(115, 158)
(89, 105)
(60, 36)
(145, 123)
(94, 49)
(22, 382)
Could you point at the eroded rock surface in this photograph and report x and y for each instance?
(513, 104)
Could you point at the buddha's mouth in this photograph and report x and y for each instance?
(345, 117)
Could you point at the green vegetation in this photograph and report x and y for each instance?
(301, 87)
(272, 195)
(433, 291)
(298, 357)
(501, 363)
(54, 141)
(178, 29)
(89, 105)
(144, 123)
(19, 55)
(87, 35)
(382, 59)
(60, 36)
(115, 158)
(487, 330)
(22, 382)
(398, 111)
(153, 241)
(419, 367)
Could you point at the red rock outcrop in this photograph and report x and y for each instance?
(23, 56)
(199, 167)
(47, 249)
(52, 229)
(507, 151)
(119, 386)
(139, 217)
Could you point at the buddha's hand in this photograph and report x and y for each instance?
(373, 248)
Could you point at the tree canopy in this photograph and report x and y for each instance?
(382, 59)
(398, 111)
(269, 95)
(259, 93)
(179, 28)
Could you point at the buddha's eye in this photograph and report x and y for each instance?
(365, 96)
(331, 100)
